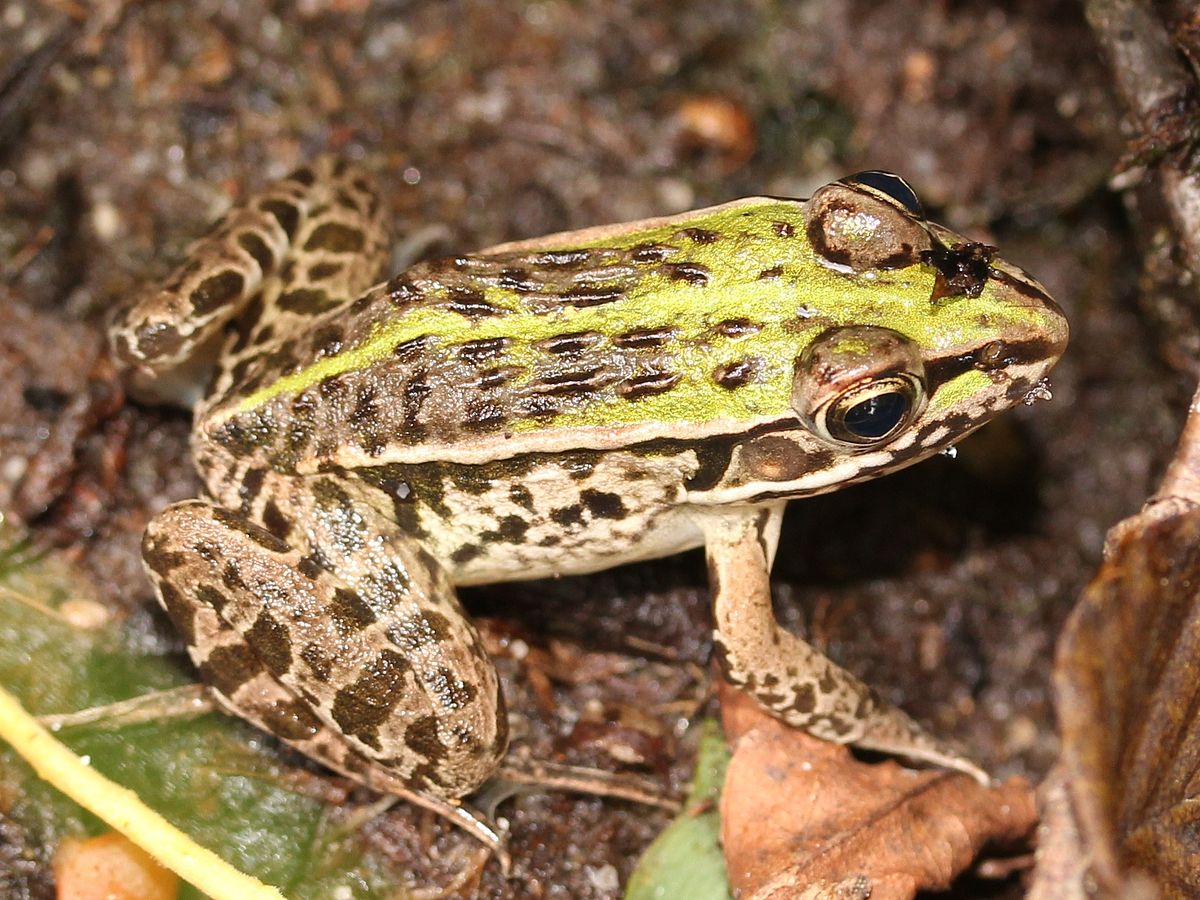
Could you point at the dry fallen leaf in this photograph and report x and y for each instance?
(1127, 680)
(110, 867)
(804, 818)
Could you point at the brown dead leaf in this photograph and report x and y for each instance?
(803, 818)
(1127, 680)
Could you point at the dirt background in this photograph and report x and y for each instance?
(126, 127)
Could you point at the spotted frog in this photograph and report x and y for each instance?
(543, 408)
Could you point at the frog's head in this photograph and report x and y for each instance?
(918, 337)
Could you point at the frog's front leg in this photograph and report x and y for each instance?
(791, 680)
(345, 640)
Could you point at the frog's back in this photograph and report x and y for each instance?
(619, 337)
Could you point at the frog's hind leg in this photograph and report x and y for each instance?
(349, 646)
(790, 679)
(298, 248)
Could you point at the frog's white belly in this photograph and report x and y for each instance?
(600, 546)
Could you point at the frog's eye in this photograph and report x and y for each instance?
(859, 386)
(858, 227)
(892, 185)
(871, 413)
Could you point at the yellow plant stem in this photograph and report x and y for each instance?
(123, 810)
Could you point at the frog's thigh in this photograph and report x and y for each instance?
(794, 682)
(381, 677)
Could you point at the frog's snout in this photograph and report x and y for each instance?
(1053, 327)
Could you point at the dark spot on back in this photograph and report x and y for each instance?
(401, 291)
(307, 301)
(421, 737)
(252, 483)
(327, 340)
(285, 214)
(157, 339)
(231, 576)
(304, 176)
(648, 384)
(700, 235)
(476, 352)
(483, 415)
(361, 707)
(292, 721)
(415, 393)
(603, 505)
(644, 338)
(591, 295)
(735, 328)
(349, 612)
(181, 612)
(575, 384)
(539, 406)
(253, 244)
(692, 273)
(466, 553)
(512, 529)
(323, 270)
(318, 662)
(310, 567)
(216, 290)
(410, 350)
(470, 304)
(736, 373)
(275, 521)
(335, 238)
(228, 668)
(806, 698)
(567, 516)
(260, 536)
(211, 597)
(498, 376)
(570, 344)
(271, 642)
(517, 279)
(438, 625)
(647, 253)
(962, 270)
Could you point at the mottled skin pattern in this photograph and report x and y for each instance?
(552, 407)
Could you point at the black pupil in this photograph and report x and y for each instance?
(876, 416)
(892, 185)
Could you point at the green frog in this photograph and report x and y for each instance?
(542, 408)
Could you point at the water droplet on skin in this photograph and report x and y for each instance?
(1040, 391)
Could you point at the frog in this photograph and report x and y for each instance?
(542, 408)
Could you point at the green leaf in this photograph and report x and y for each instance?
(686, 861)
(207, 775)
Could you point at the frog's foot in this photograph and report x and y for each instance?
(307, 241)
(791, 680)
(519, 771)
